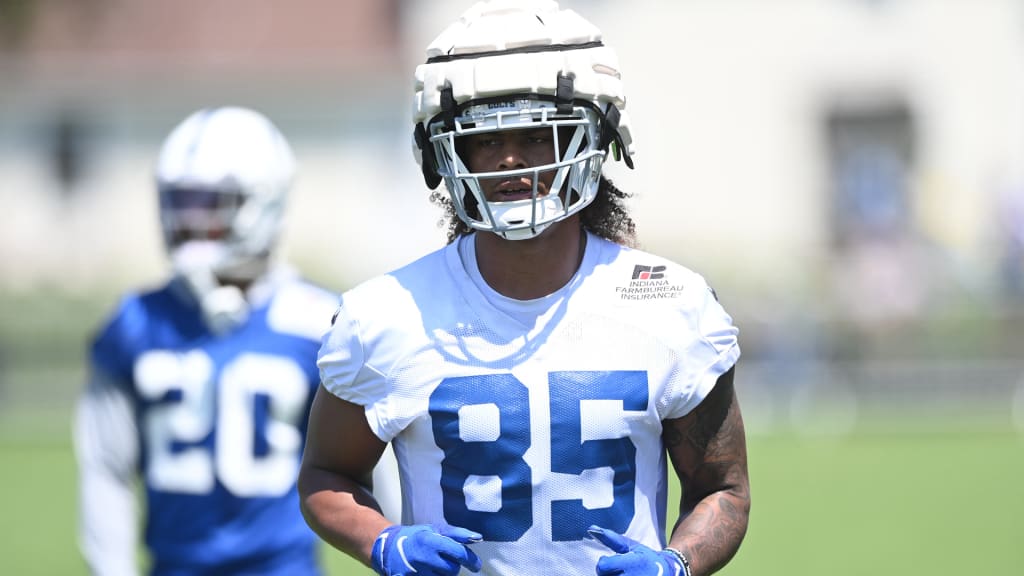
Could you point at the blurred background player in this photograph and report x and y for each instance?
(201, 388)
(538, 376)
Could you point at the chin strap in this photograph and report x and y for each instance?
(519, 212)
(223, 307)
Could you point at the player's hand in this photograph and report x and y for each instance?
(632, 558)
(424, 550)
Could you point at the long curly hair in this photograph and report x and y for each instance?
(606, 216)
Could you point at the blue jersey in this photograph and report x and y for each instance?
(221, 422)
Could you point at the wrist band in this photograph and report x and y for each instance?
(681, 557)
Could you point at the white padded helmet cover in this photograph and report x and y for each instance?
(492, 28)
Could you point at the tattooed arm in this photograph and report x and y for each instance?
(708, 451)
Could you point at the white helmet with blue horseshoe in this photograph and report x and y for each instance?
(223, 176)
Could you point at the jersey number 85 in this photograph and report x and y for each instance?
(498, 459)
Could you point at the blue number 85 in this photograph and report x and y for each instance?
(502, 457)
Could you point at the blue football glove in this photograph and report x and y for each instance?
(424, 550)
(633, 558)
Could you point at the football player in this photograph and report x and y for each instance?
(201, 388)
(539, 376)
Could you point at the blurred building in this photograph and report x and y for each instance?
(787, 124)
(841, 170)
(89, 88)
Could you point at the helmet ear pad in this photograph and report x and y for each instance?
(429, 163)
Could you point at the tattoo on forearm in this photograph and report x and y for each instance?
(712, 532)
(709, 454)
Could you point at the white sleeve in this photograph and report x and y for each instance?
(340, 361)
(710, 352)
(106, 447)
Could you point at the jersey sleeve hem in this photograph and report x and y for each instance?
(706, 381)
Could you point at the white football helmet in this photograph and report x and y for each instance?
(223, 175)
(510, 65)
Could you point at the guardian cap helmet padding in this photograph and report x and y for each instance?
(507, 65)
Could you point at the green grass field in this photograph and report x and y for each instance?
(898, 497)
(869, 503)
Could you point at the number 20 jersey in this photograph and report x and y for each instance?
(221, 423)
(529, 434)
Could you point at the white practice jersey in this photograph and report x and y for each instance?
(529, 433)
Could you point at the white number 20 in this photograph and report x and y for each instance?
(191, 406)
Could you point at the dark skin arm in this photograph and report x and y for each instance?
(335, 476)
(708, 451)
